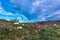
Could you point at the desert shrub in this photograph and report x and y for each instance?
(31, 37)
(52, 33)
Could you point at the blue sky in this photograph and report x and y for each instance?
(30, 10)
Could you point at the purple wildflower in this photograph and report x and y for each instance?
(6, 26)
(38, 27)
(28, 26)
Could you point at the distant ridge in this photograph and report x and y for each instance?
(3, 21)
(50, 22)
(42, 22)
(45, 22)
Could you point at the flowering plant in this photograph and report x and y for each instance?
(36, 31)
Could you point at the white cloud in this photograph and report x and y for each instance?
(9, 13)
(36, 3)
(5, 12)
(38, 19)
(43, 19)
(2, 11)
(54, 14)
(22, 18)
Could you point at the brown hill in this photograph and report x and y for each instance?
(3, 21)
